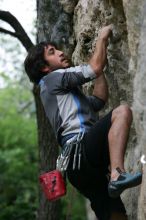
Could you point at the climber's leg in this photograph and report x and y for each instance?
(118, 216)
(94, 186)
(92, 179)
(118, 136)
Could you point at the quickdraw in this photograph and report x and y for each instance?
(64, 158)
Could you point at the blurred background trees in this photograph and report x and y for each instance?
(18, 152)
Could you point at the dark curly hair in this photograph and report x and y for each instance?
(34, 62)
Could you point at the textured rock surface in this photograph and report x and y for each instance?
(125, 72)
(140, 107)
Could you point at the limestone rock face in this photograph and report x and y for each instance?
(125, 72)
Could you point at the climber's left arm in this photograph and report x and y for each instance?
(101, 88)
(100, 93)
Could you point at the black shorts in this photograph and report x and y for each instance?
(91, 180)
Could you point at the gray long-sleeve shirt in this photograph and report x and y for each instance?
(67, 108)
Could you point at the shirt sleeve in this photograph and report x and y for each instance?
(96, 102)
(77, 76)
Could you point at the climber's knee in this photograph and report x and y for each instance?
(122, 112)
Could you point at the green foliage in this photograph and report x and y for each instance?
(18, 154)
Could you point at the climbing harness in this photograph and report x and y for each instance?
(63, 159)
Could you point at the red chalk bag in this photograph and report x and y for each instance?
(53, 185)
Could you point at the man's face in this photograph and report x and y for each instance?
(55, 58)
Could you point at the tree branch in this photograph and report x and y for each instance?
(19, 31)
(8, 32)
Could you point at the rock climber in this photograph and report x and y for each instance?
(73, 115)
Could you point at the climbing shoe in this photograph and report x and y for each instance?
(124, 181)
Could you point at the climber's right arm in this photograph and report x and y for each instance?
(98, 59)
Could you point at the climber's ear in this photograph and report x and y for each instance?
(45, 69)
